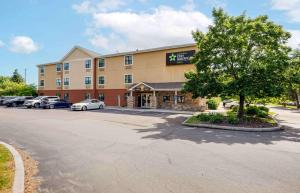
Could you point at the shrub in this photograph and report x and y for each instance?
(203, 117)
(252, 110)
(235, 108)
(216, 118)
(262, 114)
(263, 108)
(232, 119)
(212, 104)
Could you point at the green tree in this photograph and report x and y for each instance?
(239, 56)
(293, 76)
(17, 77)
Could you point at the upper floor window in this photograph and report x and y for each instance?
(42, 69)
(88, 64)
(58, 67)
(66, 81)
(101, 63)
(88, 80)
(66, 66)
(58, 82)
(128, 60)
(42, 83)
(128, 79)
(101, 80)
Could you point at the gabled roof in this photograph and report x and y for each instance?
(87, 51)
(161, 86)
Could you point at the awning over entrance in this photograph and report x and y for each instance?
(162, 86)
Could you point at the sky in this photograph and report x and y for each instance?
(34, 32)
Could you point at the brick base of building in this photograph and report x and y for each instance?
(112, 97)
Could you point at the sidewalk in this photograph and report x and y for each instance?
(150, 110)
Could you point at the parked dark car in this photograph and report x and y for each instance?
(18, 101)
(53, 104)
(4, 99)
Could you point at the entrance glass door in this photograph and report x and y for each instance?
(146, 100)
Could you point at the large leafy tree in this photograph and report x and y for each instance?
(239, 56)
(17, 77)
(293, 76)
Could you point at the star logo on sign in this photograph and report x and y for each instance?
(172, 57)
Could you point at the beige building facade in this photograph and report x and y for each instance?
(151, 78)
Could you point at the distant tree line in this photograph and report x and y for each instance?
(15, 86)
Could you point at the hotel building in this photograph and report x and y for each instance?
(151, 78)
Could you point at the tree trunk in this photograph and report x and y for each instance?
(297, 100)
(241, 107)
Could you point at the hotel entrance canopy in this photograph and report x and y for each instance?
(162, 86)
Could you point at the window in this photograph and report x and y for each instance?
(66, 96)
(101, 80)
(101, 96)
(101, 63)
(166, 99)
(87, 96)
(66, 81)
(42, 69)
(128, 60)
(58, 67)
(58, 82)
(42, 83)
(128, 79)
(88, 64)
(66, 66)
(88, 80)
(180, 99)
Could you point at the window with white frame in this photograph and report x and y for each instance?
(42, 83)
(128, 79)
(87, 96)
(101, 97)
(101, 63)
(101, 80)
(88, 64)
(58, 82)
(58, 67)
(42, 69)
(66, 81)
(128, 60)
(87, 80)
(66, 66)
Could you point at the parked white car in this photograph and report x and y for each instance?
(88, 104)
(36, 102)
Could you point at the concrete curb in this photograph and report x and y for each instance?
(233, 128)
(150, 110)
(19, 179)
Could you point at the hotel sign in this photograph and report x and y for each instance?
(176, 58)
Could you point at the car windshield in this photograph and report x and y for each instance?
(38, 98)
(86, 101)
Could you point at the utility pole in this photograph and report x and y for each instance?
(25, 74)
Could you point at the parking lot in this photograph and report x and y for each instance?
(118, 152)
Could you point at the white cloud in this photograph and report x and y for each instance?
(92, 6)
(291, 7)
(127, 30)
(294, 42)
(23, 44)
(1, 44)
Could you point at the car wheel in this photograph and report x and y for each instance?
(14, 104)
(84, 108)
(52, 107)
(101, 107)
(37, 105)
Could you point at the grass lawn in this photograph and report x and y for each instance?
(6, 170)
(287, 106)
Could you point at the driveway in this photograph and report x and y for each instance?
(114, 152)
